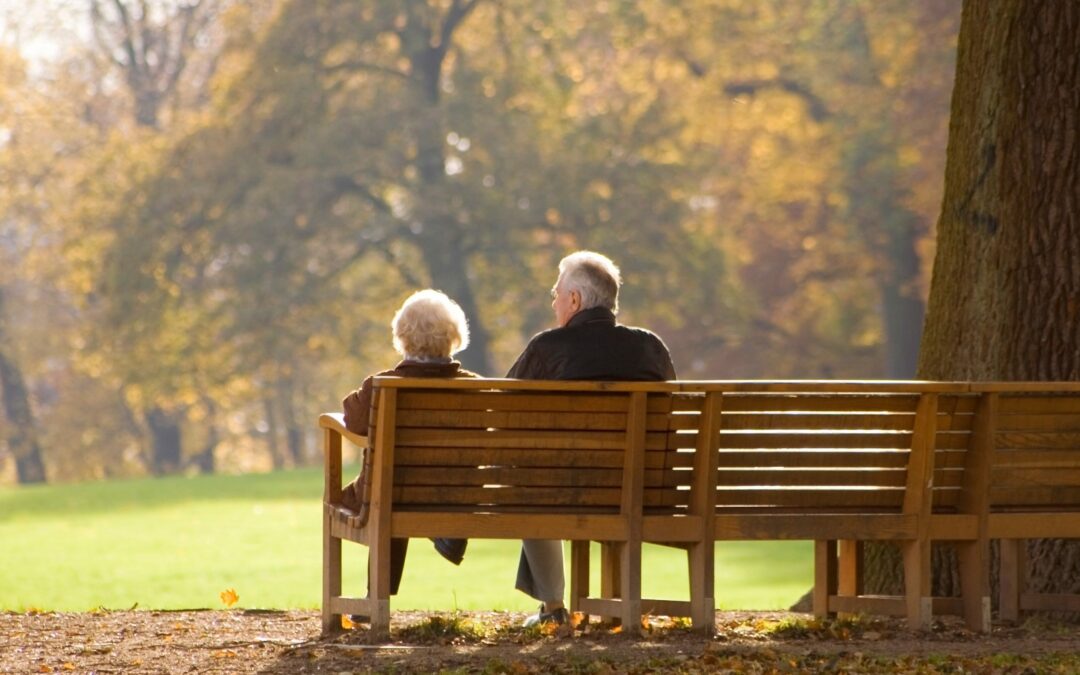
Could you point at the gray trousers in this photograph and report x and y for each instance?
(540, 570)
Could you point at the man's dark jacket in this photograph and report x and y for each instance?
(591, 346)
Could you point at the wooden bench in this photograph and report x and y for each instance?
(689, 464)
(510, 459)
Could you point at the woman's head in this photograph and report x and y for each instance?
(430, 325)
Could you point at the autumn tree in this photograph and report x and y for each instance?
(162, 49)
(31, 131)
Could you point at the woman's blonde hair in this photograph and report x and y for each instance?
(430, 325)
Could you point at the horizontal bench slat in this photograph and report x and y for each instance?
(542, 420)
(803, 477)
(1035, 458)
(1064, 422)
(884, 458)
(817, 421)
(1046, 495)
(523, 477)
(534, 457)
(1061, 404)
(820, 402)
(830, 439)
(1037, 478)
(1033, 525)
(487, 400)
(557, 498)
(509, 525)
(814, 498)
(815, 526)
(1040, 441)
(467, 438)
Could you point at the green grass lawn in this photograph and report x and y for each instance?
(175, 543)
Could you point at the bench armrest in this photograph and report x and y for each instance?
(334, 426)
(336, 422)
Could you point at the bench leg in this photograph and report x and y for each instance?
(630, 587)
(825, 575)
(379, 586)
(579, 575)
(700, 558)
(849, 569)
(973, 557)
(331, 623)
(917, 600)
(610, 577)
(1012, 578)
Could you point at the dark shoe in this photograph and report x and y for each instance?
(451, 549)
(556, 616)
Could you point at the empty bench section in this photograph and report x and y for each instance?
(1034, 488)
(792, 465)
(1035, 463)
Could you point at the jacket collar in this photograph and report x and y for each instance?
(440, 366)
(592, 315)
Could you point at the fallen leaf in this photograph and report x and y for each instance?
(229, 597)
(576, 618)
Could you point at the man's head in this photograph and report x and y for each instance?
(430, 325)
(586, 280)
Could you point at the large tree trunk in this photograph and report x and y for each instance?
(21, 435)
(1005, 298)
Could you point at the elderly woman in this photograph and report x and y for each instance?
(428, 330)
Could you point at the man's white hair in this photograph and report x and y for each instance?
(594, 276)
(430, 325)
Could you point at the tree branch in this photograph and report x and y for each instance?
(364, 65)
(815, 105)
(454, 16)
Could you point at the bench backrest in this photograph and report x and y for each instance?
(1035, 460)
(504, 446)
(825, 451)
(511, 446)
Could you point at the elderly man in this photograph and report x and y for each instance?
(588, 344)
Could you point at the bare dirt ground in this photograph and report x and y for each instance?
(250, 641)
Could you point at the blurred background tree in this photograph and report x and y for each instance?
(212, 208)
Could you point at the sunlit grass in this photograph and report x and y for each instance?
(177, 543)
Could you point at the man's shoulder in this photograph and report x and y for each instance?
(549, 336)
(642, 336)
(639, 331)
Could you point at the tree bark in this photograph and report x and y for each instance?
(21, 432)
(1005, 297)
